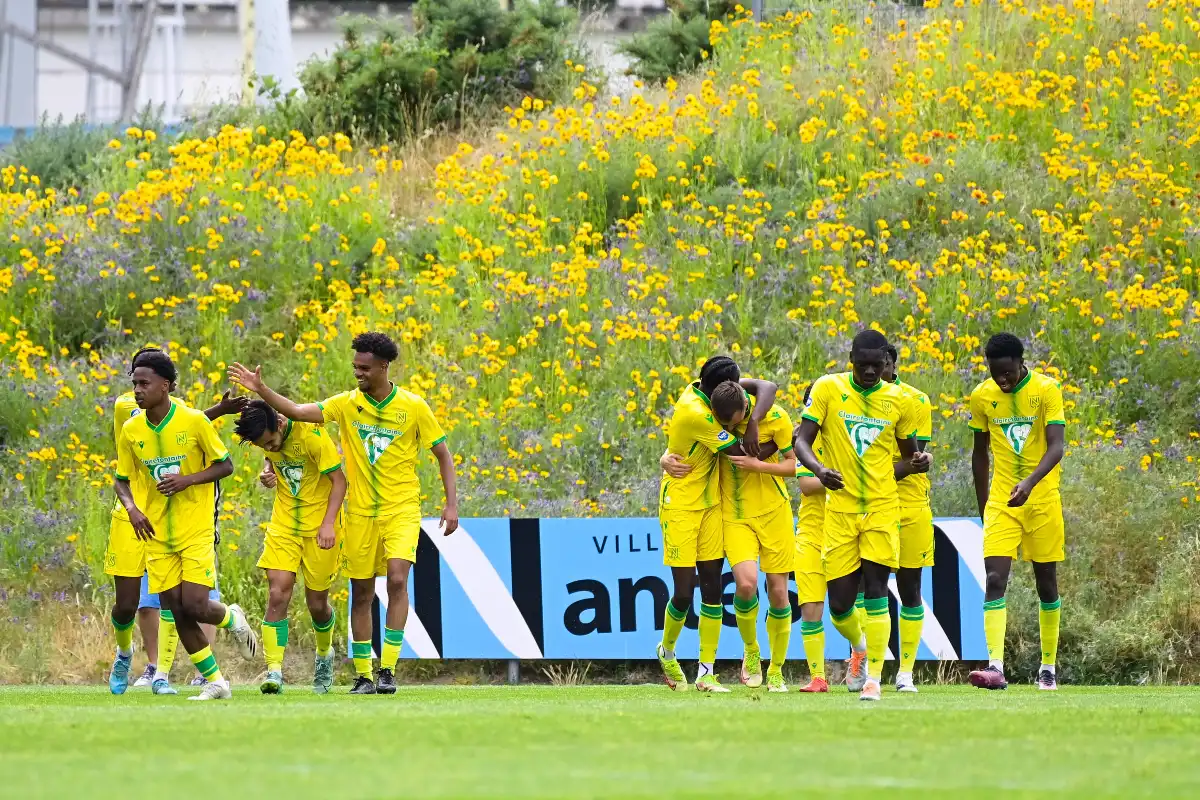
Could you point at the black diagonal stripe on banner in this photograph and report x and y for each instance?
(525, 548)
(945, 589)
(427, 589)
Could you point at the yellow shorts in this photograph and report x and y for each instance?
(193, 560)
(769, 539)
(916, 537)
(691, 536)
(852, 538)
(810, 573)
(125, 556)
(1038, 530)
(301, 555)
(370, 542)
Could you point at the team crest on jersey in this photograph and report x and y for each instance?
(292, 475)
(863, 431)
(1016, 431)
(163, 466)
(1034, 402)
(375, 439)
(181, 438)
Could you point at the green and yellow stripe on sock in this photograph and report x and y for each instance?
(746, 612)
(324, 636)
(360, 652)
(206, 664)
(393, 639)
(124, 632)
(879, 630)
(813, 634)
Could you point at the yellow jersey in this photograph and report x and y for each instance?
(301, 496)
(857, 428)
(381, 442)
(745, 495)
(124, 409)
(914, 490)
(184, 443)
(1017, 424)
(695, 434)
(810, 522)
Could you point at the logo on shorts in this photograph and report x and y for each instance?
(163, 466)
(673, 553)
(292, 475)
(863, 431)
(375, 439)
(1016, 431)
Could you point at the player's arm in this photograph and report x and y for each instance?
(674, 465)
(220, 464)
(126, 463)
(912, 459)
(764, 393)
(252, 381)
(981, 468)
(327, 533)
(784, 468)
(228, 404)
(446, 467)
(267, 477)
(1055, 436)
(804, 438)
(809, 485)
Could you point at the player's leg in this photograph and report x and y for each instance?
(280, 584)
(182, 600)
(1044, 545)
(860, 604)
(148, 624)
(1002, 531)
(681, 532)
(879, 545)
(710, 561)
(166, 636)
(810, 593)
(777, 558)
(842, 566)
(916, 553)
(320, 568)
(362, 599)
(398, 541)
(741, 549)
(124, 610)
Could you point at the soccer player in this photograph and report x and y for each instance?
(857, 415)
(756, 515)
(382, 429)
(168, 459)
(810, 572)
(916, 529)
(304, 533)
(1017, 414)
(125, 560)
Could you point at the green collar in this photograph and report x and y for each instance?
(287, 431)
(860, 389)
(695, 387)
(159, 427)
(1021, 384)
(385, 401)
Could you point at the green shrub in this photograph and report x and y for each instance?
(677, 42)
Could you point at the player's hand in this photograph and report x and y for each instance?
(267, 477)
(231, 403)
(141, 525)
(920, 462)
(831, 479)
(1020, 494)
(173, 484)
(326, 536)
(674, 465)
(750, 438)
(449, 522)
(747, 463)
(248, 380)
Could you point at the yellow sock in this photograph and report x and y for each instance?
(848, 625)
(779, 634)
(227, 621)
(324, 631)
(1048, 620)
(275, 639)
(746, 612)
(995, 618)
(912, 620)
(206, 664)
(392, 639)
(879, 630)
(361, 653)
(860, 609)
(673, 620)
(168, 641)
(710, 632)
(124, 631)
(814, 647)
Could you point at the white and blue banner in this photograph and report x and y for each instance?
(597, 588)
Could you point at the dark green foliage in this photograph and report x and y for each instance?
(62, 155)
(677, 42)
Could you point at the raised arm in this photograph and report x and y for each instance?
(446, 467)
(228, 404)
(981, 467)
(764, 394)
(252, 381)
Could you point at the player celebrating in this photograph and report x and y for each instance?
(382, 429)
(857, 416)
(125, 560)
(916, 529)
(810, 572)
(690, 517)
(1018, 415)
(756, 514)
(303, 534)
(168, 459)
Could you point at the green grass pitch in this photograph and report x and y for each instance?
(601, 741)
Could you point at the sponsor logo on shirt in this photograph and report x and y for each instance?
(1016, 431)
(863, 431)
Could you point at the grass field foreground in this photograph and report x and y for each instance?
(641, 741)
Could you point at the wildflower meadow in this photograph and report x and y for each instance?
(939, 174)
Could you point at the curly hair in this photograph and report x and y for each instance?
(377, 344)
(256, 419)
(1004, 345)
